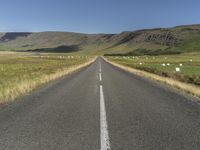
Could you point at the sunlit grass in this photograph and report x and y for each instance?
(22, 72)
(189, 65)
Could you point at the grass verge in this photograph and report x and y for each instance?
(21, 73)
(189, 88)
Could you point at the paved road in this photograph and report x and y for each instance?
(101, 107)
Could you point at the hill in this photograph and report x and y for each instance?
(174, 40)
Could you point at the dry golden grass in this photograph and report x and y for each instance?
(189, 88)
(24, 82)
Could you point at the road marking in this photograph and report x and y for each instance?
(100, 67)
(100, 78)
(105, 143)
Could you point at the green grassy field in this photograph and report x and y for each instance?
(22, 72)
(189, 65)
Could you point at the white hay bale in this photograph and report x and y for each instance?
(178, 69)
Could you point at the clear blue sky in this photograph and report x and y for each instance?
(96, 16)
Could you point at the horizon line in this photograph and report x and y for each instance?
(93, 33)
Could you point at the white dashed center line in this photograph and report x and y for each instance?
(105, 143)
(99, 67)
(100, 78)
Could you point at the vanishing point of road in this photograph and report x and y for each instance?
(101, 107)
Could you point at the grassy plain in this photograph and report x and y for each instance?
(22, 72)
(165, 65)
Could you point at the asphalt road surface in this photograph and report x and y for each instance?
(101, 107)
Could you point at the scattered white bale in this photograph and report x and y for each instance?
(178, 69)
(163, 65)
(168, 64)
(191, 60)
(181, 65)
(140, 63)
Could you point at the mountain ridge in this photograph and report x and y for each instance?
(184, 38)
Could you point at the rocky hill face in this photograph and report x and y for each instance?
(165, 38)
(180, 38)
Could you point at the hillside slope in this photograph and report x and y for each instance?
(150, 41)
